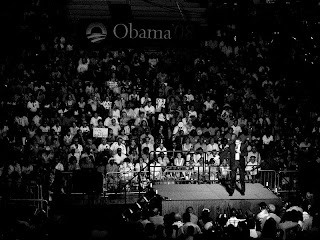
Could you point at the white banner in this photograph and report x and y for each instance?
(100, 132)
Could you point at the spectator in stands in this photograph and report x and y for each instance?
(161, 148)
(263, 211)
(233, 220)
(119, 144)
(103, 145)
(156, 218)
(112, 179)
(204, 218)
(119, 156)
(188, 226)
(270, 229)
(265, 108)
(193, 217)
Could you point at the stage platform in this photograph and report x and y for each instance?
(214, 197)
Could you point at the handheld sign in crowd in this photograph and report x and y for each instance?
(160, 103)
(100, 132)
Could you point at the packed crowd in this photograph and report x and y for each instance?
(197, 102)
(65, 108)
(294, 220)
(68, 108)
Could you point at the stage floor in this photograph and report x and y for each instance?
(213, 196)
(211, 191)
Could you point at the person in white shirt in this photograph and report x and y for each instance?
(140, 165)
(254, 153)
(107, 121)
(163, 160)
(115, 112)
(155, 170)
(153, 61)
(115, 127)
(141, 117)
(180, 127)
(212, 146)
(103, 145)
(192, 112)
(67, 139)
(267, 139)
(233, 220)
(77, 148)
(149, 109)
(163, 116)
(106, 104)
(209, 103)
(134, 96)
(252, 168)
(236, 129)
(33, 105)
(45, 128)
(189, 96)
(119, 156)
(148, 144)
(263, 211)
(214, 158)
(56, 128)
(119, 144)
(94, 120)
(22, 120)
(129, 111)
(242, 121)
(37, 118)
(145, 99)
(193, 159)
(126, 169)
(161, 148)
(83, 65)
(85, 128)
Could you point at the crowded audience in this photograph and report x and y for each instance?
(67, 107)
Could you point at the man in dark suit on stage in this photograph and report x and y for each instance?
(238, 152)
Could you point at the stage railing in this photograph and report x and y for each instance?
(208, 171)
(41, 204)
(287, 181)
(137, 181)
(125, 181)
(268, 178)
(24, 191)
(67, 184)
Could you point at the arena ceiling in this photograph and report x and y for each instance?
(141, 10)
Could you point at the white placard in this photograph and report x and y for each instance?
(160, 103)
(100, 132)
(112, 84)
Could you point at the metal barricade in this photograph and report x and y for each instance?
(66, 181)
(287, 181)
(268, 178)
(33, 202)
(125, 181)
(198, 164)
(176, 174)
